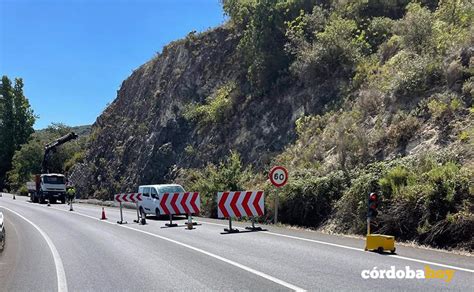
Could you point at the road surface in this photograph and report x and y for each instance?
(53, 249)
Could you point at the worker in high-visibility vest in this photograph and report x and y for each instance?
(71, 194)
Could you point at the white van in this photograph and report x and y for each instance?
(151, 197)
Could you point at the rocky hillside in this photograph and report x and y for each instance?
(352, 97)
(149, 131)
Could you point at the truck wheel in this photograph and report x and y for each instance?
(157, 213)
(63, 200)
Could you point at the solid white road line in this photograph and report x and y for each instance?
(313, 240)
(60, 274)
(243, 267)
(350, 247)
(431, 263)
(360, 249)
(337, 245)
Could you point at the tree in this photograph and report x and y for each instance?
(26, 161)
(262, 25)
(16, 122)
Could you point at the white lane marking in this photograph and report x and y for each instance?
(61, 275)
(313, 240)
(243, 267)
(431, 263)
(340, 246)
(354, 248)
(248, 269)
(359, 249)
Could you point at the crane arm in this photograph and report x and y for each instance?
(51, 147)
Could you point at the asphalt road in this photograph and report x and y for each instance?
(51, 248)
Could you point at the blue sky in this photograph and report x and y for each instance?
(74, 54)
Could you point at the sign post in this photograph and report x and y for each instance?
(238, 204)
(131, 198)
(121, 216)
(278, 177)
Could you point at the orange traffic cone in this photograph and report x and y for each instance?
(103, 214)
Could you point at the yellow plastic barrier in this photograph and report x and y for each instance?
(380, 243)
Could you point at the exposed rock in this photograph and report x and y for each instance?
(140, 138)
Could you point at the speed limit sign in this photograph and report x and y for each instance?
(278, 176)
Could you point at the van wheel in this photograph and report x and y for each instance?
(157, 213)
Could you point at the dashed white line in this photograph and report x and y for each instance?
(60, 274)
(324, 243)
(238, 265)
(338, 245)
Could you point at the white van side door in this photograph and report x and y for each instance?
(155, 200)
(146, 200)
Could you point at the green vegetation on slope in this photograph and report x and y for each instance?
(399, 119)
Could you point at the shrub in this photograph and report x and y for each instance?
(78, 157)
(440, 106)
(347, 136)
(416, 28)
(333, 53)
(229, 175)
(23, 191)
(351, 209)
(378, 31)
(464, 136)
(217, 106)
(402, 129)
(389, 48)
(392, 183)
(452, 27)
(468, 88)
(408, 74)
(309, 202)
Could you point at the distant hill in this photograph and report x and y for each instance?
(81, 131)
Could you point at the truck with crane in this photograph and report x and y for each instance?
(49, 186)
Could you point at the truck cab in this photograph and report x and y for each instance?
(151, 195)
(50, 186)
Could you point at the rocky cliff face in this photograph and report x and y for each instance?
(143, 136)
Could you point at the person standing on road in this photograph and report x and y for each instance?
(71, 193)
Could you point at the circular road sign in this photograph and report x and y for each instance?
(278, 176)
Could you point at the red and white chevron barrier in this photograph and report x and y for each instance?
(180, 203)
(131, 198)
(240, 204)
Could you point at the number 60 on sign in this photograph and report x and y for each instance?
(278, 176)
